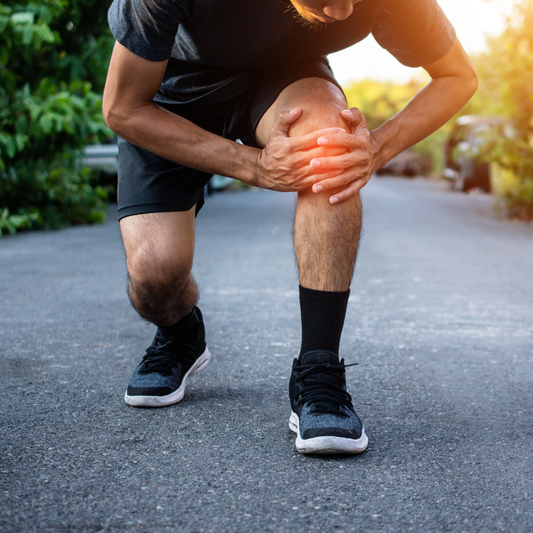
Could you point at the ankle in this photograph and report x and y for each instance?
(323, 314)
(185, 327)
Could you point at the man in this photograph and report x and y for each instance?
(186, 79)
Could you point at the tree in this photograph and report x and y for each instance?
(53, 57)
(380, 101)
(506, 89)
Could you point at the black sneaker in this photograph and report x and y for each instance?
(323, 416)
(160, 378)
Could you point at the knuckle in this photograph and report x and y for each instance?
(365, 160)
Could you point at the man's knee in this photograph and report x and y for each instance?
(321, 102)
(159, 249)
(157, 272)
(321, 116)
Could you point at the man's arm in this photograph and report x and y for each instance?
(129, 111)
(454, 81)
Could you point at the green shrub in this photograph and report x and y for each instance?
(379, 101)
(506, 89)
(512, 170)
(49, 112)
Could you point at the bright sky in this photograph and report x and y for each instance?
(473, 21)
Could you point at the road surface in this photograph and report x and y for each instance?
(440, 321)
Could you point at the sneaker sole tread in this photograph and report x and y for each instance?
(326, 445)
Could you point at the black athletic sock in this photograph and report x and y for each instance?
(323, 314)
(184, 328)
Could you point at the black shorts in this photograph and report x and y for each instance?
(148, 183)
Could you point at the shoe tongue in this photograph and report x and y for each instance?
(319, 357)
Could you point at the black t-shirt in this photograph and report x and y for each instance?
(213, 46)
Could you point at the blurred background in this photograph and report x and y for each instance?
(57, 158)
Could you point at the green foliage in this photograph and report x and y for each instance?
(380, 101)
(53, 57)
(506, 89)
(11, 223)
(431, 149)
(518, 201)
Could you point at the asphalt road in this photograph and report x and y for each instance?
(440, 321)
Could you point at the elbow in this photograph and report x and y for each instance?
(114, 112)
(466, 85)
(470, 80)
(116, 119)
(111, 115)
(121, 117)
(473, 82)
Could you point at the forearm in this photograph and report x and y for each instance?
(453, 83)
(129, 110)
(177, 139)
(431, 108)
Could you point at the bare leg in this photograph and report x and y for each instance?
(325, 240)
(159, 251)
(326, 236)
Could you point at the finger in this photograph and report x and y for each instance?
(326, 178)
(326, 181)
(305, 142)
(349, 141)
(320, 152)
(352, 115)
(301, 158)
(335, 162)
(338, 180)
(307, 177)
(349, 192)
(355, 118)
(284, 121)
(307, 181)
(286, 118)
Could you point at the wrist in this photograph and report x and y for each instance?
(379, 157)
(385, 144)
(242, 163)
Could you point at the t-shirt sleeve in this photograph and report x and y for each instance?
(416, 32)
(147, 27)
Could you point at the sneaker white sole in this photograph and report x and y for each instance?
(324, 445)
(173, 397)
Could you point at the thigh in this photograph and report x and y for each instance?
(269, 83)
(159, 243)
(321, 102)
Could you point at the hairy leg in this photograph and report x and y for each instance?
(326, 242)
(160, 250)
(326, 236)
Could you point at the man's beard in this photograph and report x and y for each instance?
(303, 22)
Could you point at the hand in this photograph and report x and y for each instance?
(284, 163)
(354, 167)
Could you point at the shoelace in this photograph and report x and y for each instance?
(163, 352)
(327, 397)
